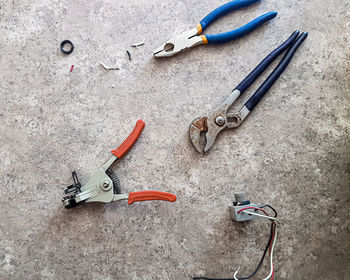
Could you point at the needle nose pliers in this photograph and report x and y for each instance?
(210, 126)
(190, 39)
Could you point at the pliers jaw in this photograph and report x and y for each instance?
(209, 127)
(70, 202)
(179, 43)
(215, 123)
(203, 131)
(71, 192)
(100, 188)
(198, 129)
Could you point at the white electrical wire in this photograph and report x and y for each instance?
(271, 255)
(234, 275)
(271, 259)
(259, 215)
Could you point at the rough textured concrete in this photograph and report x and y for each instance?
(292, 151)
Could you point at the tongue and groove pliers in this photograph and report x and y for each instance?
(192, 37)
(204, 130)
(104, 185)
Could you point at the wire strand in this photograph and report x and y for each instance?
(272, 238)
(269, 206)
(260, 215)
(273, 273)
(251, 207)
(263, 256)
(271, 255)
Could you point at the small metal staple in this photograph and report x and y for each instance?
(137, 44)
(109, 67)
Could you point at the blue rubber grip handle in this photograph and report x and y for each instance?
(259, 94)
(225, 9)
(265, 63)
(241, 31)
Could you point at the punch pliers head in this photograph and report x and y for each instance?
(192, 37)
(204, 130)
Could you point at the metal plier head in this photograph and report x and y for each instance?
(180, 42)
(204, 130)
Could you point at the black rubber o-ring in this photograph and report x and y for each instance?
(68, 43)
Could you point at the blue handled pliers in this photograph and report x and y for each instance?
(190, 39)
(204, 130)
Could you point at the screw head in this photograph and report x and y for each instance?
(220, 121)
(105, 186)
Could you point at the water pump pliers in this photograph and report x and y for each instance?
(192, 37)
(204, 130)
(104, 185)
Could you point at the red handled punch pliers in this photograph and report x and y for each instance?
(104, 185)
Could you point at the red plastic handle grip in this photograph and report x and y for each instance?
(130, 140)
(150, 195)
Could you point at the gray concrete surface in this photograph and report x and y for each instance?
(292, 151)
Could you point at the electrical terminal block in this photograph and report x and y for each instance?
(240, 203)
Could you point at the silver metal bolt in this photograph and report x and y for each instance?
(105, 186)
(220, 121)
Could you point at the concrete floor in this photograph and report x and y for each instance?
(292, 151)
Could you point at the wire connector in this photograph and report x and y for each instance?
(240, 203)
(241, 216)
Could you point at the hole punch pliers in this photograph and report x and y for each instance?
(203, 131)
(192, 38)
(104, 185)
